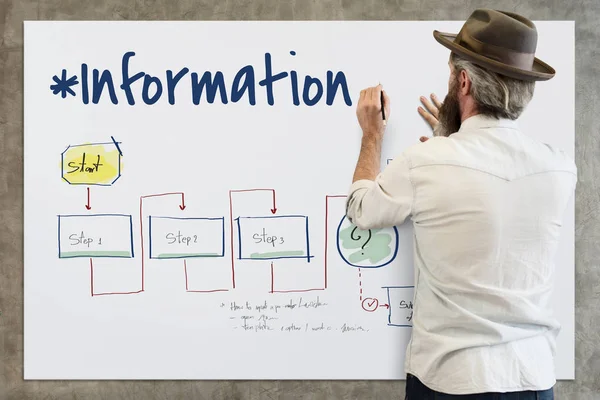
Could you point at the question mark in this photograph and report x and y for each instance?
(358, 237)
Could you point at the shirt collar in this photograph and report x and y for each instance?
(481, 121)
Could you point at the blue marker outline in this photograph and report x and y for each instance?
(58, 236)
(131, 231)
(62, 163)
(337, 242)
(117, 145)
(307, 243)
(188, 218)
(387, 288)
(307, 256)
(98, 215)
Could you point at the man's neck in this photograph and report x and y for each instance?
(467, 115)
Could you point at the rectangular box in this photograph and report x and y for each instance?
(275, 237)
(400, 300)
(172, 237)
(95, 235)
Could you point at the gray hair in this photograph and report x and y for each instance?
(495, 95)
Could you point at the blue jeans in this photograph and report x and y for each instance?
(416, 390)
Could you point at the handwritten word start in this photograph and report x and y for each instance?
(213, 86)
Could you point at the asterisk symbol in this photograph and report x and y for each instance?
(63, 85)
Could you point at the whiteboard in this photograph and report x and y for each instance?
(176, 230)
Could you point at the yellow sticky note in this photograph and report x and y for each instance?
(91, 164)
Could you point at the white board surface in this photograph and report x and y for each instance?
(207, 241)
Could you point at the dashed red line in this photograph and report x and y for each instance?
(360, 283)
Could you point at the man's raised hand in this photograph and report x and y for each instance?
(431, 111)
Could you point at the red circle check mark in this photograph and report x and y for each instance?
(370, 304)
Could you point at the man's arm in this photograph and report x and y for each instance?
(377, 200)
(370, 118)
(369, 158)
(385, 201)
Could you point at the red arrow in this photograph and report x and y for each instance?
(384, 305)
(182, 206)
(274, 209)
(88, 206)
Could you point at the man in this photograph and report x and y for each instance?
(486, 202)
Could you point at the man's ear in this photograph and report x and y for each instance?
(464, 83)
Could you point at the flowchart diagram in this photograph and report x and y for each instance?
(185, 190)
(265, 236)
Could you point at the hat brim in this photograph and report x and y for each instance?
(540, 70)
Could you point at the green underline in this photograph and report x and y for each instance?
(278, 254)
(68, 254)
(183, 255)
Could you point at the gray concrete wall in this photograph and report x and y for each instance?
(586, 13)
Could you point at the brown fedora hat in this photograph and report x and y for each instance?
(500, 41)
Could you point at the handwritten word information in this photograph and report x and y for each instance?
(270, 239)
(133, 87)
(81, 240)
(299, 314)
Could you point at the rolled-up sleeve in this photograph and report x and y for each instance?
(386, 201)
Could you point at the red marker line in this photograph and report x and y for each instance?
(198, 291)
(272, 278)
(297, 291)
(186, 278)
(88, 205)
(273, 211)
(91, 277)
(231, 240)
(290, 290)
(108, 293)
(104, 293)
(142, 238)
(182, 206)
(208, 291)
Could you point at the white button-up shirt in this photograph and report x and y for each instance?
(487, 205)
